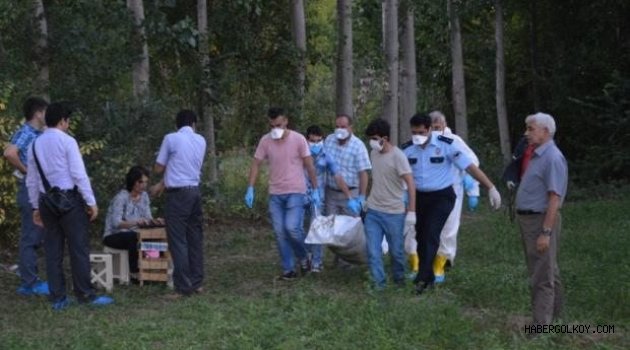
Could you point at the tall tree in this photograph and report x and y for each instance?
(205, 91)
(458, 80)
(533, 54)
(40, 27)
(298, 23)
(391, 45)
(408, 77)
(344, 58)
(140, 47)
(504, 132)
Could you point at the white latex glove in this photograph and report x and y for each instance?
(511, 185)
(495, 198)
(410, 219)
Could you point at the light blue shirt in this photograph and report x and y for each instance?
(351, 158)
(546, 172)
(432, 166)
(182, 154)
(323, 165)
(59, 156)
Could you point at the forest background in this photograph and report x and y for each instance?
(129, 66)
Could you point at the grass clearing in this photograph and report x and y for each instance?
(483, 304)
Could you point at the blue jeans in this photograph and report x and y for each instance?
(316, 250)
(377, 225)
(287, 217)
(31, 238)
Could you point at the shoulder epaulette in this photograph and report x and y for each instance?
(406, 144)
(445, 139)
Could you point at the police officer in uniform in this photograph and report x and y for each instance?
(432, 157)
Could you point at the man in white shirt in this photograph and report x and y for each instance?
(56, 156)
(180, 158)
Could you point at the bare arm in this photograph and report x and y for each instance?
(11, 153)
(411, 191)
(480, 176)
(253, 171)
(552, 210)
(158, 168)
(363, 182)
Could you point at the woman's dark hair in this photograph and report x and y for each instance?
(134, 175)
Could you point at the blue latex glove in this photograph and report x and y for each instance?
(406, 199)
(468, 182)
(354, 206)
(473, 202)
(249, 197)
(362, 200)
(316, 198)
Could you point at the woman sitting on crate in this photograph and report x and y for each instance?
(129, 210)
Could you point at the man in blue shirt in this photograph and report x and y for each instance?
(31, 235)
(323, 164)
(539, 198)
(432, 157)
(63, 203)
(180, 159)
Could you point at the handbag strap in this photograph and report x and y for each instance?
(39, 168)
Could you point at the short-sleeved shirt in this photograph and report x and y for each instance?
(351, 158)
(432, 166)
(387, 187)
(123, 208)
(182, 154)
(323, 165)
(22, 140)
(286, 162)
(547, 172)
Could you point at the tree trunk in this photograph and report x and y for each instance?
(40, 26)
(140, 73)
(299, 36)
(408, 93)
(504, 132)
(205, 90)
(344, 58)
(458, 82)
(534, 55)
(390, 98)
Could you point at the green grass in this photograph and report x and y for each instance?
(483, 304)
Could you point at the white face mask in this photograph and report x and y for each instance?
(419, 139)
(376, 145)
(276, 133)
(341, 133)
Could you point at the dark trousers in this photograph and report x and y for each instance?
(73, 227)
(432, 211)
(31, 237)
(184, 230)
(127, 240)
(547, 297)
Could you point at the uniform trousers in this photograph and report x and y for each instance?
(547, 297)
(73, 227)
(184, 230)
(432, 210)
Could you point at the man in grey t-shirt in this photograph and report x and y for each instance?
(538, 201)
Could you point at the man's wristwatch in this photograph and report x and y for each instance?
(546, 232)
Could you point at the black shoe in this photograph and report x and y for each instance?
(421, 287)
(289, 276)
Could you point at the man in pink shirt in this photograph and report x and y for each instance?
(287, 153)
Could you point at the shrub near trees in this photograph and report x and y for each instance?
(568, 58)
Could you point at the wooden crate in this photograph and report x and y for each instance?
(153, 269)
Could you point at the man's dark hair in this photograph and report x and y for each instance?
(350, 121)
(33, 105)
(314, 130)
(185, 117)
(420, 119)
(275, 112)
(134, 175)
(378, 127)
(56, 112)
